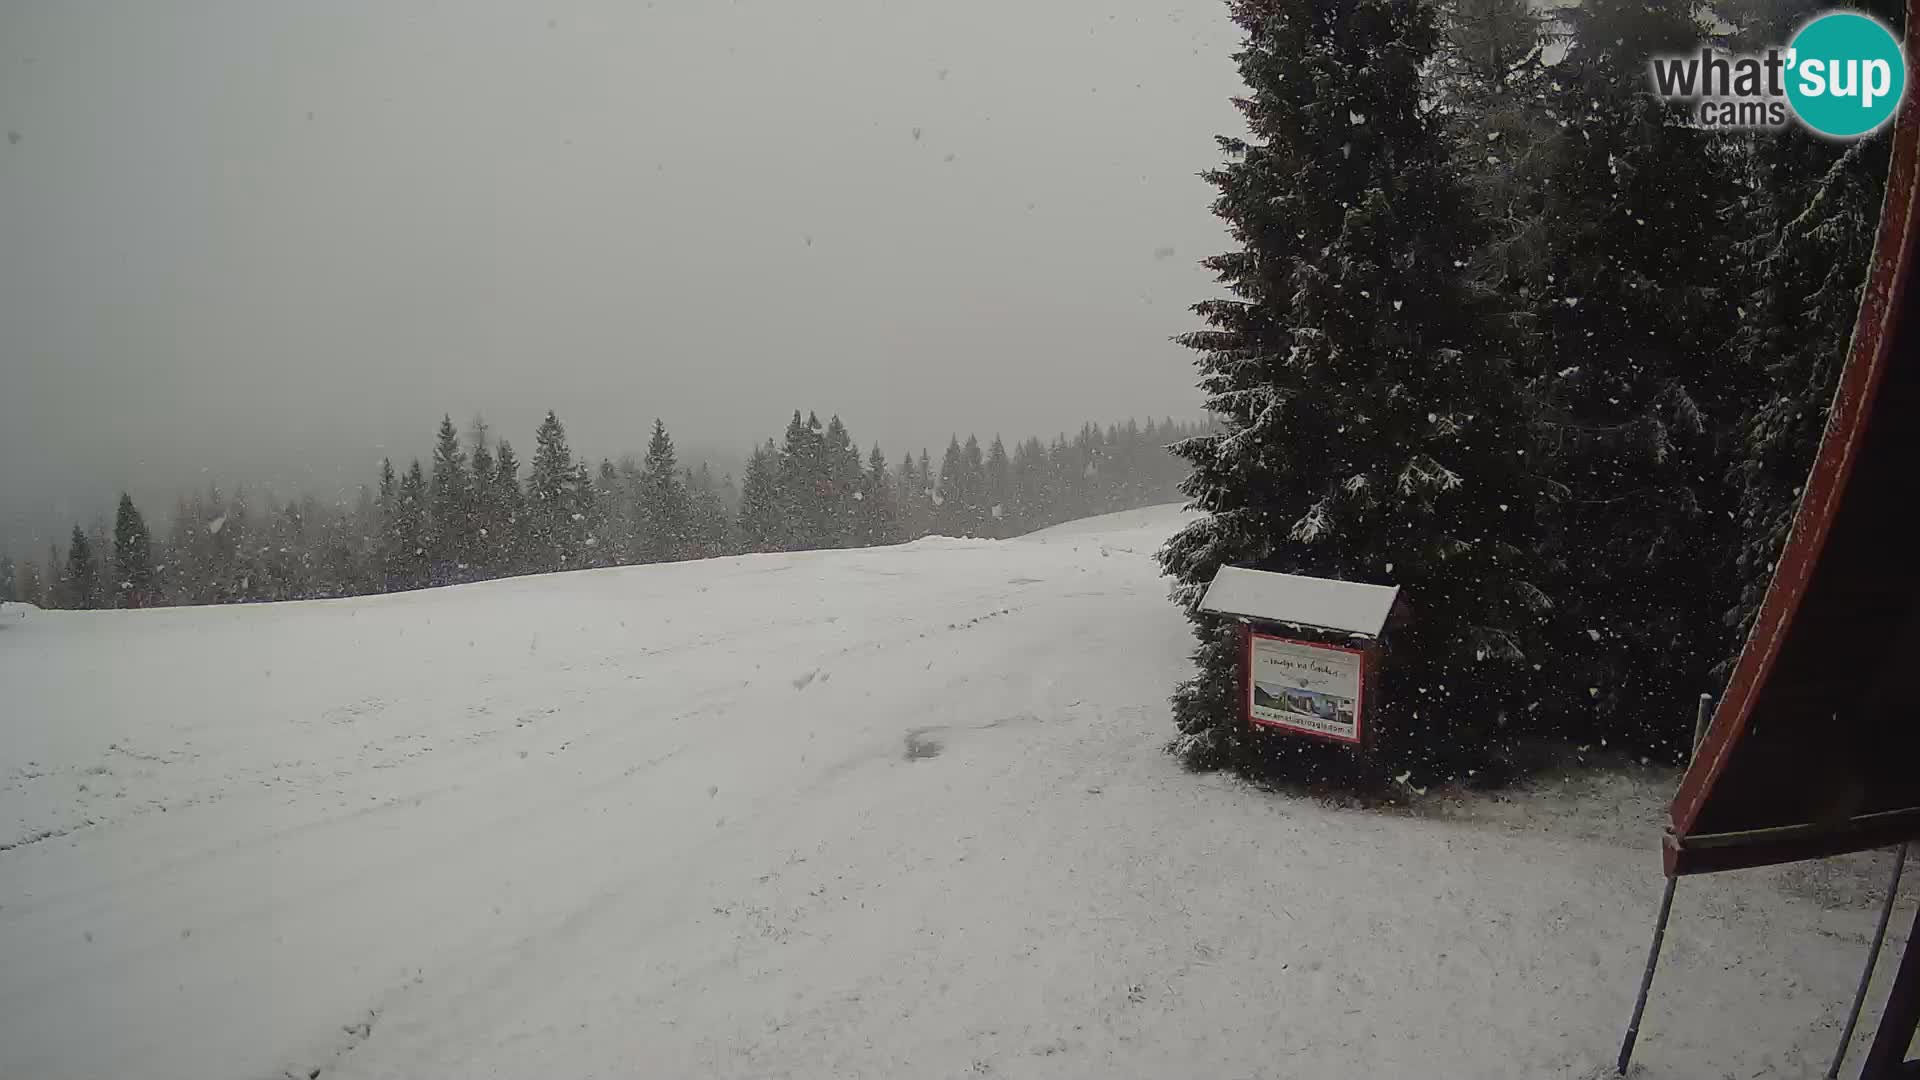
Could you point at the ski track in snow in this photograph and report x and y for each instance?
(888, 812)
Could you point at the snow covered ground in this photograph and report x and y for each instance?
(893, 813)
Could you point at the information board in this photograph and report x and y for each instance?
(1306, 687)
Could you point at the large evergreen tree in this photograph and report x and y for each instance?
(407, 557)
(998, 490)
(391, 527)
(710, 530)
(555, 536)
(906, 491)
(763, 520)
(83, 573)
(483, 542)
(1369, 434)
(588, 519)
(1633, 386)
(874, 518)
(949, 499)
(665, 511)
(134, 583)
(805, 485)
(841, 465)
(507, 509)
(451, 511)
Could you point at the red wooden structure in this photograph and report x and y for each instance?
(1815, 747)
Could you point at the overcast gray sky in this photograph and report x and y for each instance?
(273, 242)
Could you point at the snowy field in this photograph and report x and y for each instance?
(896, 812)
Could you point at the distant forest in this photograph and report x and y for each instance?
(471, 512)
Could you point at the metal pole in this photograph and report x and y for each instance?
(1701, 715)
(1899, 1017)
(1646, 977)
(1873, 954)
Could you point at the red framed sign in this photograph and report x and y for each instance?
(1306, 687)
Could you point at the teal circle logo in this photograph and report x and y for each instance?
(1846, 74)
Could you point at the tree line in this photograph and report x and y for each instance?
(471, 512)
(1525, 339)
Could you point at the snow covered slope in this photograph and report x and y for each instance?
(893, 813)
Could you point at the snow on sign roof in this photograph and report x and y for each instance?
(1305, 601)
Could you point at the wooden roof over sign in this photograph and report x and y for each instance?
(1349, 607)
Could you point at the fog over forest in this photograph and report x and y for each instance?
(271, 245)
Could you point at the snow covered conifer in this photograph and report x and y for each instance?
(1633, 384)
(805, 485)
(134, 584)
(763, 524)
(1366, 433)
(553, 534)
(483, 542)
(906, 481)
(874, 515)
(841, 462)
(973, 487)
(949, 501)
(665, 513)
(407, 558)
(508, 507)
(450, 511)
(710, 530)
(586, 522)
(83, 573)
(997, 497)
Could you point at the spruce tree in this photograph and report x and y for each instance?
(483, 542)
(450, 511)
(387, 502)
(1368, 435)
(587, 522)
(83, 573)
(134, 584)
(1633, 387)
(874, 517)
(973, 488)
(665, 512)
(905, 493)
(763, 524)
(614, 497)
(554, 534)
(508, 512)
(407, 566)
(805, 485)
(9, 583)
(843, 479)
(950, 517)
(998, 492)
(710, 529)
